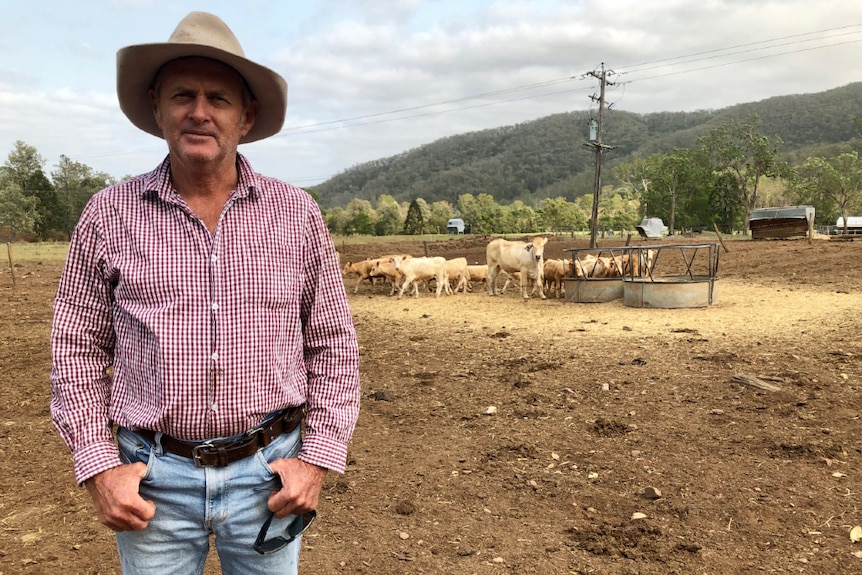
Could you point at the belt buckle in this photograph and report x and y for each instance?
(199, 451)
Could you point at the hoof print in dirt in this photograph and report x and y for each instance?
(607, 428)
(405, 508)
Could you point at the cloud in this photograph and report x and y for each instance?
(373, 78)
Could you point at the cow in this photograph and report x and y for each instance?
(476, 273)
(385, 267)
(553, 274)
(590, 266)
(419, 269)
(640, 263)
(456, 270)
(523, 257)
(362, 269)
(516, 277)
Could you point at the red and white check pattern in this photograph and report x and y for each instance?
(159, 324)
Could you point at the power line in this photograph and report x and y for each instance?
(723, 64)
(302, 129)
(356, 121)
(737, 46)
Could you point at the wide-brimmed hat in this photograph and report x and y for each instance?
(207, 36)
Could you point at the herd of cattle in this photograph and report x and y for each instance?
(522, 261)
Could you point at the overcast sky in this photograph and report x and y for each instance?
(372, 78)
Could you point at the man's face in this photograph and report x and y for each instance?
(198, 104)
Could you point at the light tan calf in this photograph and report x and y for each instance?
(456, 269)
(553, 274)
(419, 269)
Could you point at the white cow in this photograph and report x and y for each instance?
(421, 269)
(523, 257)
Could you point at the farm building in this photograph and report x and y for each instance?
(783, 222)
(455, 226)
(854, 225)
(652, 228)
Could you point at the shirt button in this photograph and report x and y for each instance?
(215, 356)
(214, 407)
(214, 257)
(215, 307)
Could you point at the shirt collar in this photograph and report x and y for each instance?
(158, 181)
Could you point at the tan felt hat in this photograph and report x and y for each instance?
(207, 36)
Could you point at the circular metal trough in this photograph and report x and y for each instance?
(593, 290)
(670, 292)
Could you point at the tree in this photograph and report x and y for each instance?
(414, 223)
(360, 223)
(741, 152)
(835, 180)
(482, 213)
(676, 187)
(518, 217)
(618, 213)
(559, 214)
(74, 184)
(441, 212)
(361, 217)
(389, 222)
(23, 168)
(337, 220)
(18, 213)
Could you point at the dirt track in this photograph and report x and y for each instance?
(750, 481)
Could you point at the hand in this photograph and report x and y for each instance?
(118, 503)
(301, 483)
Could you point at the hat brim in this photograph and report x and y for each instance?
(137, 67)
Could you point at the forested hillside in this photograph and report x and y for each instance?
(546, 158)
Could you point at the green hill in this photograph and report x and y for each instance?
(547, 157)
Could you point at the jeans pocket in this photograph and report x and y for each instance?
(284, 447)
(135, 449)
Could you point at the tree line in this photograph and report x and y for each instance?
(34, 205)
(731, 170)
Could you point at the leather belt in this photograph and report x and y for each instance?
(221, 453)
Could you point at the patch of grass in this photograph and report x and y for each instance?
(29, 253)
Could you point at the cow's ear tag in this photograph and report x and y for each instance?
(529, 248)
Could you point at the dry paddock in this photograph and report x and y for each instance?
(594, 404)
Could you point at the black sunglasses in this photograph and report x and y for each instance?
(296, 528)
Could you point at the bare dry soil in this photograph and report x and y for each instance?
(498, 436)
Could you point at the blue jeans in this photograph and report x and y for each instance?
(191, 503)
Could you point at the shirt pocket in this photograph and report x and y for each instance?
(269, 278)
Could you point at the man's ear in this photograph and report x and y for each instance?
(249, 117)
(154, 103)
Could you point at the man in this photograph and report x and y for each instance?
(200, 314)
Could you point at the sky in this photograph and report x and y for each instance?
(369, 79)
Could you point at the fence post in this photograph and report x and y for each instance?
(11, 267)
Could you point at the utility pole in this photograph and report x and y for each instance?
(599, 146)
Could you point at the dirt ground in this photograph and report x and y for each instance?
(498, 436)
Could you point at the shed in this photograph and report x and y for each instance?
(783, 222)
(651, 228)
(455, 226)
(854, 225)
